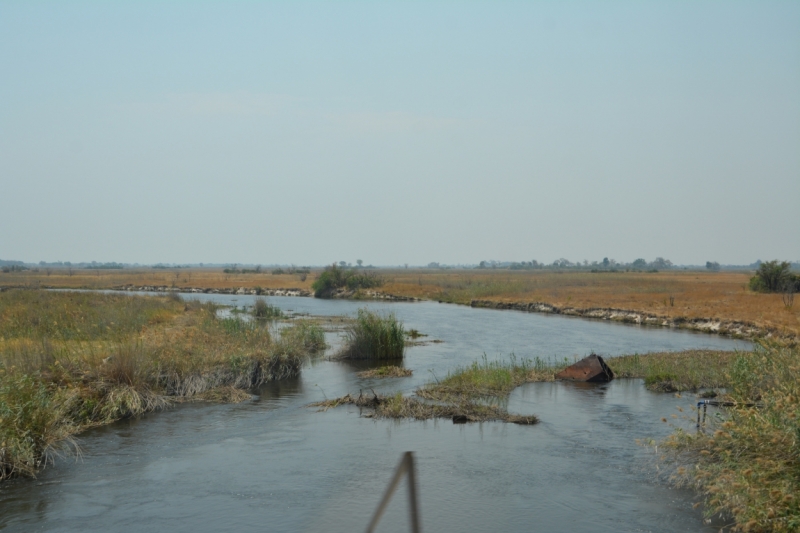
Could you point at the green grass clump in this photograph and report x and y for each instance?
(490, 378)
(687, 370)
(307, 334)
(31, 421)
(747, 464)
(374, 336)
(397, 406)
(264, 311)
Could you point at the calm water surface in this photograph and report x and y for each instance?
(273, 464)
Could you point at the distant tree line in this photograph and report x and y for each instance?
(659, 263)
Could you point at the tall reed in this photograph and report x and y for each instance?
(747, 463)
(374, 336)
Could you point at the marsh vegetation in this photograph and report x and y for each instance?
(375, 336)
(72, 360)
(726, 295)
(746, 463)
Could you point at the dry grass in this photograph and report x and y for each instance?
(74, 360)
(386, 372)
(697, 294)
(213, 278)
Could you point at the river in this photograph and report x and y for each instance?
(273, 464)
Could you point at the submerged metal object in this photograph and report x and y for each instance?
(592, 369)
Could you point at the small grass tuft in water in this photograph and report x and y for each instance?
(264, 311)
(374, 336)
(397, 406)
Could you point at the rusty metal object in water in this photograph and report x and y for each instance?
(592, 369)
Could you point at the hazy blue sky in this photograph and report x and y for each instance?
(399, 132)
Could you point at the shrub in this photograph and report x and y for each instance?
(774, 276)
(375, 336)
(334, 277)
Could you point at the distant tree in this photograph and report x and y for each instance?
(712, 265)
(772, 276)
(342, 264)
(661, 263)
(639, 263)
(605, 261)
(433, 264)
(360, 262)
(482, 264)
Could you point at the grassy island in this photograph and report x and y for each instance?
(73, 360)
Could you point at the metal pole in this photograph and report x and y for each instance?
(412, 494)
(406, 466)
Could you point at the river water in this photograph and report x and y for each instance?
(273, 464)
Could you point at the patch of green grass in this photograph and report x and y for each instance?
(747, 464)
(687, 370)
(264, 311)
(306, 333)
(490, 378)
(374, 336)
(31, 421)
(397, 406)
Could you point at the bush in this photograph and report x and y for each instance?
(774, 276)
(334, 277)
(375, 336)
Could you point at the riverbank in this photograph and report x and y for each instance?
(74, 360)
(696, 300)
(733, 328)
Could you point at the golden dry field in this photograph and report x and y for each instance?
(677, 293)
(694, 294)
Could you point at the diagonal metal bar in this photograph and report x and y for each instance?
(406, 466)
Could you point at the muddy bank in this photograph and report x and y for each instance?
(205, 290)
(366, 294)
(733, 328)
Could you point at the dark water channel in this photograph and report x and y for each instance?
(273, 464)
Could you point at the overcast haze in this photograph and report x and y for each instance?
(306, 133)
